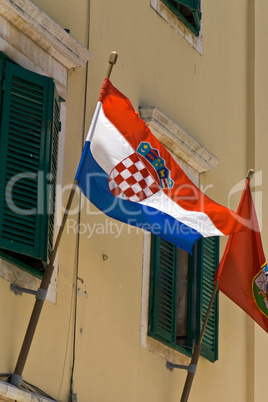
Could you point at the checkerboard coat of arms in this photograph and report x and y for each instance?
(140, 175)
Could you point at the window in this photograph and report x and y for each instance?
(181, 286)
(183, 18)
(194, 160)
(188, 11)
(29, 110)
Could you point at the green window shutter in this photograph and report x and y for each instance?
(28, 155)
(208, 264)
(163, 309)
(162, 319)
(193, 311)
(52, 157)
(189, 3)
(188, 11)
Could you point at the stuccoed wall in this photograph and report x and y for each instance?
(219, 97)
(50, 358)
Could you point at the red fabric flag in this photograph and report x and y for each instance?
(243, 271)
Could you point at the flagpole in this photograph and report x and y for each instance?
(197, 349)
(112, 61)
(16, 377)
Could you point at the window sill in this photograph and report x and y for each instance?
(43, 31)
(10, 393)
(51, 50)
(178, 141)
(16, 275)
(180, 28)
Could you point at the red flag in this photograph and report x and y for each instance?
(243, 271)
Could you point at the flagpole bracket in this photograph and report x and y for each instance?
(40, 294)
(15, 379)
(191, 368)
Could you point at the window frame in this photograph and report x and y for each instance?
(194, 159)
(34, 100)
(39, 44)
(203, 262)
(194, 6)
(164, 11)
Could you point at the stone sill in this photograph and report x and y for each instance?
(9, 392)
(178, 141)
(45, 33)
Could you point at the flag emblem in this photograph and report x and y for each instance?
(131, 180)
(152, 156)
(260, 289)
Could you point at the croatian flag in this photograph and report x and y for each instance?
(130, 176)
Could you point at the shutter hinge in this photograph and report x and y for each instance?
(59, 126)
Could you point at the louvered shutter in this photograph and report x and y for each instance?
(52, 156)
(163, 290)
(191, 16)
(188, 3)
(28, 155)
(208, 264)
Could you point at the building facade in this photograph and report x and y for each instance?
(196, 73)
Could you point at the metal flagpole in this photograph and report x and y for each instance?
(16, 377)
(197, 350)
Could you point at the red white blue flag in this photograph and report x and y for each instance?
(130, 176)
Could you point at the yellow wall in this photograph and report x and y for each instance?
(220, 98)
